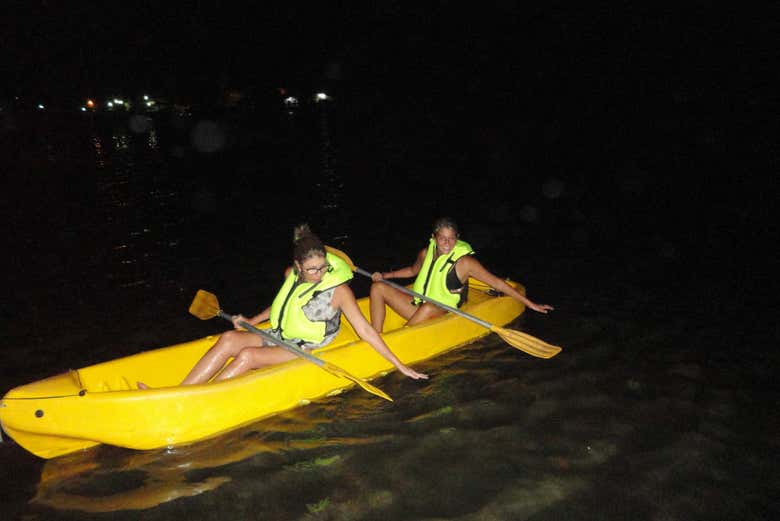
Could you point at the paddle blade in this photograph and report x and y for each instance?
(527, 343)
(337, 371)
(344, 256)
(205, 305)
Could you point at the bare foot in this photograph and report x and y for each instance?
(142, 385)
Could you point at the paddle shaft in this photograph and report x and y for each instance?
(427, 299)
(281, 343)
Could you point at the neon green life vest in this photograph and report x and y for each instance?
(287, 308)
(432, 279)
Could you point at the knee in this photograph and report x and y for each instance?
(229, 342)
(229, 337)
(245, 358)
(377, 290)
(428, 311)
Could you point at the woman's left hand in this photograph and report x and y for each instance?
(541, 308)
(411, 373)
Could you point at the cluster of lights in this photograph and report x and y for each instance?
(292, 101)
(114, 103)
(90, 104)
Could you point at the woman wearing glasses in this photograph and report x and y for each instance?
(442, 270)
(306, 311)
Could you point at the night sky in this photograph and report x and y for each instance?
(499, 51)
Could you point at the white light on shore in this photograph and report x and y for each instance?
(321, 96)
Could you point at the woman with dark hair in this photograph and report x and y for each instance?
(442, 271)
(306, 311)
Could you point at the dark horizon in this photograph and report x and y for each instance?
(82, 50)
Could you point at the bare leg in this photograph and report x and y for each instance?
(228, 345)
(381, 295)
(425, 312)
(253, 358)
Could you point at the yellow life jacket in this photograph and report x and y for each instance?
(287, 308)
(432, 279)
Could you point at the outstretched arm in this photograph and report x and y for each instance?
(402, 273)
(344, 299)
(471, 267)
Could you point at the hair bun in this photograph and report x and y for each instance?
(301, 231)
(306, 244)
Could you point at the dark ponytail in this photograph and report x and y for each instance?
(306, 244)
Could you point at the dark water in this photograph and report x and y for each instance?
(660, 407)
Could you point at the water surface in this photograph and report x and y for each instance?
(659, 407)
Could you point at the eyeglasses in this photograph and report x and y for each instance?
(322, 269)
(446, 238)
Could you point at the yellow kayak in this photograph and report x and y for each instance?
(101, 404)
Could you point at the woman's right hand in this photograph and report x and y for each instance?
(238, 318)
(376, 276)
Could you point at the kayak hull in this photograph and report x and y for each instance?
(101, 403)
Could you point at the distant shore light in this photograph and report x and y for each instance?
(40, 106)
(321, 96)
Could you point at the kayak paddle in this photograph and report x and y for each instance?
(522, 341)
(205, 306)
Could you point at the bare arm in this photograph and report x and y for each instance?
(344, 299)
(402, 273)
(471, 267)
(260, 317)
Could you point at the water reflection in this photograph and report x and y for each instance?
(107, 479)
(341, 450)
(97, 144)
(138, 210)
